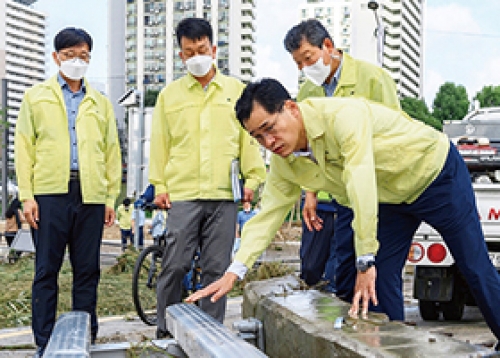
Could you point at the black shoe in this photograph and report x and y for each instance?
(161, 334)
(39, 352)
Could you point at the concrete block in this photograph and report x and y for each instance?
(300, 324)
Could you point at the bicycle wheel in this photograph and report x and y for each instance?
(146, 271)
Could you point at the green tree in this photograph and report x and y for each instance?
(451, 102)
(489, 96)
(417, 109)
(150, 98)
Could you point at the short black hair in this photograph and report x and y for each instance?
(126, 201)
(267, 92)
(193, 28)
(70, 37)
(310, 30)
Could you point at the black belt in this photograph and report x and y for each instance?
(74, 175)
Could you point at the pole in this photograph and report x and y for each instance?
(380, 44)
(5, 147)
(139, 163)
(380, 32)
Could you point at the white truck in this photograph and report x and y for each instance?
(438, 285)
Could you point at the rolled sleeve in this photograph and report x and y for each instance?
(238, 268)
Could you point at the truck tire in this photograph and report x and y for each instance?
(428, 310)
(452, 311)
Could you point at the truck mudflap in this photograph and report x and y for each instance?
(441, 290)
(433, 283)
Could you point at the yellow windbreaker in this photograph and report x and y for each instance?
(358, 79)
(42, 145)
(367, 154)
(124, 216)
(195, 136)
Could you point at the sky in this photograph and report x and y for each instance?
(461, 40)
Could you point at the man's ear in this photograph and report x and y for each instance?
(291, 105)
(56, 58)
(328, 44)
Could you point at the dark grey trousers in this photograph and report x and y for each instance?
(209, 224)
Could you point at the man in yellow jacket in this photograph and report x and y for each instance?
(68, 168)
(330, 72)
(124, 217)
(195, 138)
(392, 171)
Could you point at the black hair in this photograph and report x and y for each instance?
(310, 30)
(126, 201)
(193, 28)
(267, 92)
(70, 37)
(13, 207)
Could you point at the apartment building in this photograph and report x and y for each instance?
(335, 15)
(149, 58)
(353, 27)
(22, 55)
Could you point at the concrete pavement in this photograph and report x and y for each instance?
(18, 342)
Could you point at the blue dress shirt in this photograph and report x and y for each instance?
(72, 101)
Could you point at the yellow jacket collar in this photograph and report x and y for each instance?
(315, 130)
(54, 85)
(192, 81)
(348, 75)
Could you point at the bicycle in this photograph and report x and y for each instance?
(148, 267)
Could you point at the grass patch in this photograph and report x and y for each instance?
(264, 271)
(115, 287)
(114, 294)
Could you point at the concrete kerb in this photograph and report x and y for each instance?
(301, 324)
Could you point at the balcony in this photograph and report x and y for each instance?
(28, 81)
(247, 31)
(20, 71)
(20, 52)
(246, 66)
(21, 35)
(247, 71)
(33, 65)
(13, 103)
(16, 87)
(15, 96)
(247, 54)
(26, 45)
(248, 6)
(25, 14)
(247, 19)
(25, 26)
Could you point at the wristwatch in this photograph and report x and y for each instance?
(364, 262)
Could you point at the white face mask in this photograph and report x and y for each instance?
(317, 72)
(199, 65)
(74, 69)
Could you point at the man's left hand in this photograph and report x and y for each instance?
(364, 291)
(109, 216)
(216, 289)
(248, 195)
